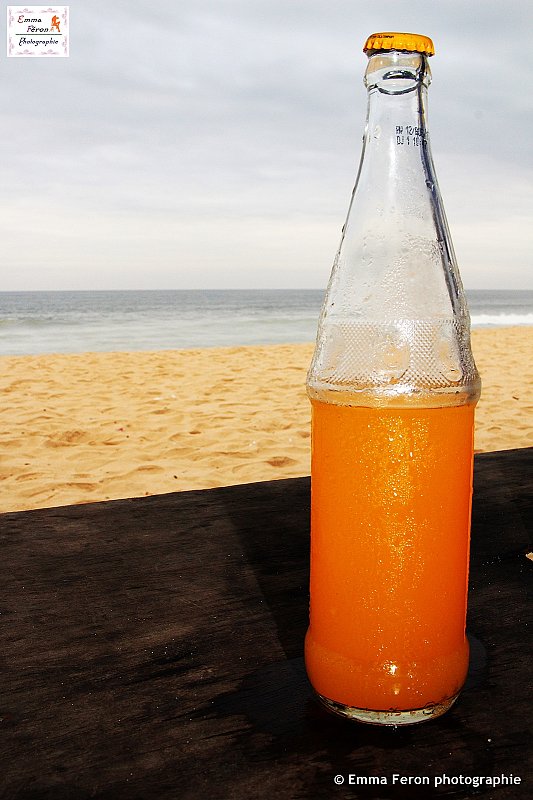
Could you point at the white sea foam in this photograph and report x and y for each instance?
(491, 320)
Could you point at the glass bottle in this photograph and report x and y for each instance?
(393, 385)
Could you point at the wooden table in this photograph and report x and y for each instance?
(152, 648)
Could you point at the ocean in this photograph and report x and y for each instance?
(75, 322)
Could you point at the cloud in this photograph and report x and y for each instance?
(216, 143)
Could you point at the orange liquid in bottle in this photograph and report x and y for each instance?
(390, 525)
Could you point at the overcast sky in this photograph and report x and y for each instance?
(214, 143)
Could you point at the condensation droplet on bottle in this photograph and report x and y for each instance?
(392, 356)
(453, 374)
(449, 361)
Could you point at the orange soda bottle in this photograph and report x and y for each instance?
(393, 386)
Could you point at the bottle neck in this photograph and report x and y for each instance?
(394, 326)
(396, 173)
(396, 134)
(395, 73)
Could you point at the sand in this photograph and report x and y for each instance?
(99, 426)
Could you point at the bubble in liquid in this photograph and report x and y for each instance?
(390, 667)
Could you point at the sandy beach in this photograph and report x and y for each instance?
(98, 426)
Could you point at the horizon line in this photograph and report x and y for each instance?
(231, 289)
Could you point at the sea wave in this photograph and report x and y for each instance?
(33, 322)
(491, 320)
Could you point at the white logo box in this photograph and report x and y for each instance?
(37, 31)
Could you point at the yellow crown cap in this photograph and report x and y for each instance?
(412, 42)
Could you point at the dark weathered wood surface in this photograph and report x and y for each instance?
(152, 648)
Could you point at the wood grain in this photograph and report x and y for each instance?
(152, 648)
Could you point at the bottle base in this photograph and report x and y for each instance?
(391, 717)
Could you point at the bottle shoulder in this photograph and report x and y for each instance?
(402, 360)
